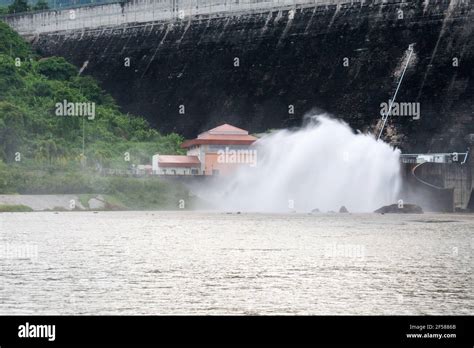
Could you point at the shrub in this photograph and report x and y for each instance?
(56, 68)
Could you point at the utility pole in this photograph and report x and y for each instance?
(83, 155)
(83, 134)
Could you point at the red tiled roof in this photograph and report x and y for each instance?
(178, 161)
(223, 135)
(225, 129)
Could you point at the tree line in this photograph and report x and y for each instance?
(19, 6)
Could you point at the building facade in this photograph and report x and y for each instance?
(218, 151)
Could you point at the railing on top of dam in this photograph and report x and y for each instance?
(141, 11)
(448, 157)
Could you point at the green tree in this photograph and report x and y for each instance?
(12, 124)
(9, 76)
(41, 5)
(18, 6)
(11, 43)
(56, 68)
(47, 149)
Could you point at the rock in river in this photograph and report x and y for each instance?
(396, 209)
(343, 209)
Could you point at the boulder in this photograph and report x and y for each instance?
(395, 209)
(96, 203)
(343, 209)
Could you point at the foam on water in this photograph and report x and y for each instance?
(323, 165)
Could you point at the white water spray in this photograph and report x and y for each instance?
(321, 166)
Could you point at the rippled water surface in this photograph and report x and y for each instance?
(216, 263)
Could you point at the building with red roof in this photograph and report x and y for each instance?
(217, 151)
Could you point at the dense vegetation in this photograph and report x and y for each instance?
(19, 6)
(41, 152)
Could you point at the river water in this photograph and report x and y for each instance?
(218, 263)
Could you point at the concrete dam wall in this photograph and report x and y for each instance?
(142, 11)
(259, 66)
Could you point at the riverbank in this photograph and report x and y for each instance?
(92, 202)
(10, 203)
(85, 190)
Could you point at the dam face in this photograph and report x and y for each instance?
(188, 67)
